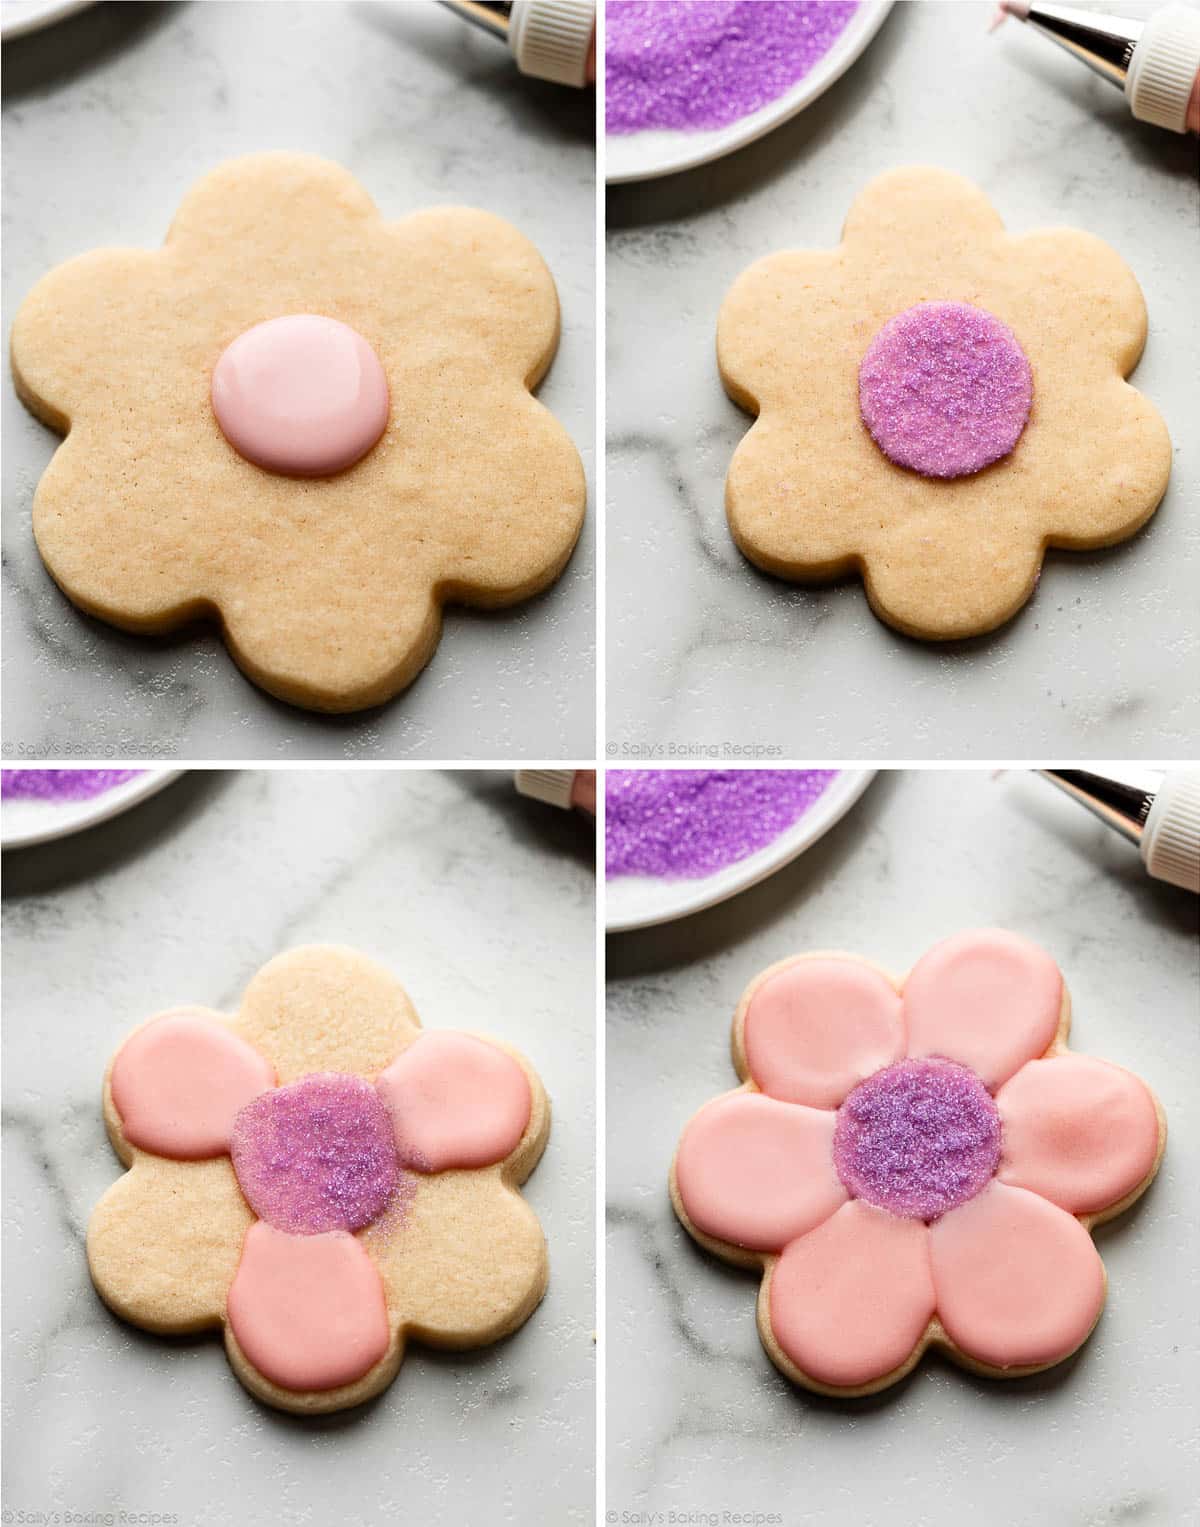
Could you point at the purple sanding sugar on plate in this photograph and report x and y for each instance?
(681, 824)
(917, 1138)
(61, 784)
(316, 1155)
(705, 63)
(945, 389)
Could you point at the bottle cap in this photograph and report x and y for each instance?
(551, 39)
(1163, 69)
(553, 786)
(1171, 841)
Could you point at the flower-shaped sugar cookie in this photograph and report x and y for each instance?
(302, 421)
(322, 1179)
(916, 1163)
(938, 402)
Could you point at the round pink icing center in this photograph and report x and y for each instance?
(316, 1155)
(917, 1138)
(945, 389)
(305, 396)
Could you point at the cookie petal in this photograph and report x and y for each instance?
(308, 1311)
(1019, 1282)
(501, 504)
(1110, 467)
(818, 1027)
(455, 1101)
(989, 999)
(849, 1301)
(1081, 1132)
(1079, 293)
(326, 1008)
(948, 588)
(163, 1243)
(258, 200)
(489, 298)
(180, 1080)
(756, 1172)
(780, 323)
(919, 217)
(466, 1264)
(62, 336)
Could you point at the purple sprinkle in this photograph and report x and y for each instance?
(945, 389)
(61, 784)
(316, 1155)
(705, 63)
(917, 1138)
(681, 824)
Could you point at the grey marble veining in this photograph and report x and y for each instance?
(703, 650)
(109, 117)
(482, 904)
(698, 1418)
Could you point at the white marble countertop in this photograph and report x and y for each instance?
(698, 1418)
(482, 903)
(108, 118)
(703, 650)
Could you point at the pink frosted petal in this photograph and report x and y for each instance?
(989, 1000)
(455, 1101)
(756, 1172)
(1079, 1131)
(179, 1082)
(308, 1311)
(850, 1300)
(817, 1028)
(1019, 1283)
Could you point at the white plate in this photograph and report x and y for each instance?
(646, 155)
(640, 901)
(20, 16)
(24, 822)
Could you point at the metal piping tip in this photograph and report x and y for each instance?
(1104, 43)
(492, 18)
(1121, 806)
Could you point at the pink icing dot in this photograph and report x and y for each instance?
(945, 389)
(917, 1138)
(316, 1155)
(304, 395)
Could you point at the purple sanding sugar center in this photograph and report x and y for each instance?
(318, 1154)
(680, 824)
(61, 784)
(945, 389)
(705, 63)
(917, 1138)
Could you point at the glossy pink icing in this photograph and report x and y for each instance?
(455, 1101)
(819, 1027)
(757, 1172)
(179, 1082)
(1019, 1282)
(989, 1000)
(849, 1300)
(302, 395)
(308, 1311)
(1079, 1131)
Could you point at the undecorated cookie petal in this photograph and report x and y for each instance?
(163, 1243)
